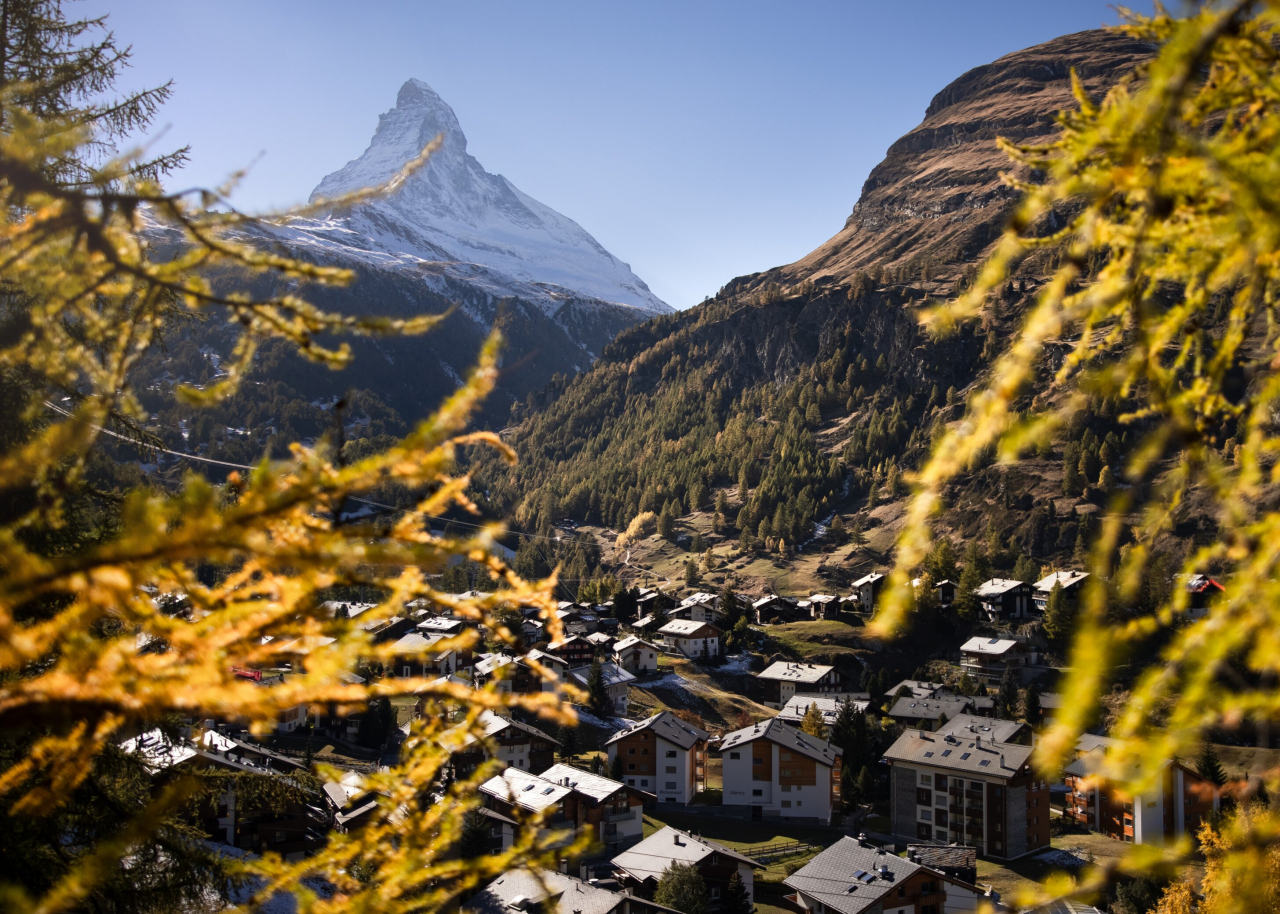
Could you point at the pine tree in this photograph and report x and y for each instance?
(1059, 618)
(1209, 767)
(1025, 570)
(476, 840)
(1031, 710)
(568, 736)
(598, 691)
(1007, 697)
(681, 887)
(615, 768)
(813, 724)
(731, 607)
(625, 605)
(691, 575)
(736, 900)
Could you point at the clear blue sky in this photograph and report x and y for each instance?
(695, 140)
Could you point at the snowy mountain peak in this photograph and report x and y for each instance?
(463, 220)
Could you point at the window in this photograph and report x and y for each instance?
(926, 779)
(924, 797)
(928, 887)
(671, 785)
(631, 766)
(785, 756)
(975, 785)
(926, 815)
(644, 782)
(735, 755)
(941, 835)
(644, 751)
(631, 782)
(631, 751)
(757, 793)
(756, 760)
(405, 672)
(671, 769)
(671, 753)
(786, 804)
(786, 788)
(715, 892)
(799, 802)
(902, 891)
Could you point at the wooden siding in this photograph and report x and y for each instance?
(762, 770)
(638, 749)
(798, 770)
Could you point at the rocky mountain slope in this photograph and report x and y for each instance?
(802, 394)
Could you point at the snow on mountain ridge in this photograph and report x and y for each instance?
(455, 215)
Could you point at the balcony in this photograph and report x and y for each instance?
(974, 794)
(955, 809)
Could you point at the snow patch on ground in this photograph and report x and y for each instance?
(606, 723)
(739, 663)
(1065, 857)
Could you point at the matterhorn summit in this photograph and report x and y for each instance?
(470, 232)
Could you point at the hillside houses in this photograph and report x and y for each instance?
(779, 771)
(699, 607)
(550, 892)
(783, 679)
(516, 744)
(663, 755)
(636, 656)
(610, 811)
(616, 682)
(575, 650)
(775, 610)
(929, 713)
(415, 655)
(866, 590)
(794, 711)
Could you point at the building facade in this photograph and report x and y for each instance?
(663, 755)
(780, 771)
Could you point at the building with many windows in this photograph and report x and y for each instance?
(780, 771)
(664, 755)
(968, 790)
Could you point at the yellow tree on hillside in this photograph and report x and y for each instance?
(1156, 214)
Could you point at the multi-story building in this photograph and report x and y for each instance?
(783, 679)
(693, 639)
(663, 755)
(780, 771)
(699, 607)
(575, 650)
(854, 876)
(516, 793)
(1002, 598)
(867, 590)
(640, 868)
(415, 654)
(987, 659)
(972, 791)
(970, 726)
(611, 811)
(1169, 810)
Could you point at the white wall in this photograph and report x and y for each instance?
(738, 785)
(682, 777)
(810, 802)
(1148, 818)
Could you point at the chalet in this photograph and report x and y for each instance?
(1171, 809)
(986, 659)
(794, 711)
(293, 828)
(502, 829)
(654, 601)
(640, 868)
(929, 713)
(783, 679)
(700, 607)
(600, 639)
(645, 626)
(1002, 598)
(778, 770)
(534, 631)
(1201, 590)
(617, 682)
(353, 805)
(1071, 582)
(775, 610)
(574, 650)
(824, 606)
(549, 892)
(511, 674)
(946, 591)
(553, 663)
(609, 810)
(975, 791)
(662, 754)
(380, 630)
(515, 793)
(854, 876)
(414, 655)
(693, 639)
(867, 590)
(636, 656)
(512, 742)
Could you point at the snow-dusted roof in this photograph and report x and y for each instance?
(996, 587)
(797, 707)
(415, 642)
(632, 641)
(872, 578)
(595, 786)
(652, 856)
(997, 646)
(612, 673)
(1064, 579)
(521, 890)
(492, 726)
(525, 789)
(683, 627)
(667, 726)
(785, 736)
(795, 672)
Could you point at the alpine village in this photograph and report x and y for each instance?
(653, 639)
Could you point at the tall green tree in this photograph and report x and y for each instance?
(1007, 696)
(598, 690)
(1209, 766)
(1059, 618)
(1031, 710)
(681, 886)
(735, 899)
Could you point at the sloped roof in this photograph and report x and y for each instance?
(787, 737)
(929, 708)
(570, 894)
(599, 638)
(613, 674)
(666, 725)
(786, 671)
(415, 641)
(651, 857)
(525, 789)
(490, 662)
(970, 725)
(919, 688)
(494, 724)
(632, 641)
(968, 755)
(950, 855)
(679, 627)
(595, 786)
(1064, 579)
(849, 876)
(996, 587)
(797, 706)
(872, 578)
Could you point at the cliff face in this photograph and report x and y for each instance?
(937, 194)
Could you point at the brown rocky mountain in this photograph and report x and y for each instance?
(938, 194)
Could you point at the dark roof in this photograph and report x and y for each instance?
(651, 857)
(930, 708)
(851, 876)
(786, 736)
(951, 855)
(973, 756)
(969, 725)
(666, 725)
(919, 688)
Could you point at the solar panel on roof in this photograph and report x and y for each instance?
(866, 877)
